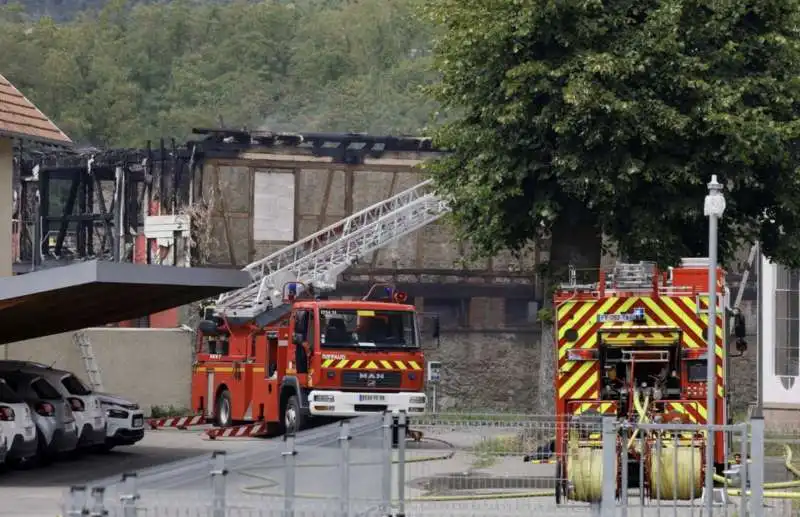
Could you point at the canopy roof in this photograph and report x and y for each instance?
(95, 293)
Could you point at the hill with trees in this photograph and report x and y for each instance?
(126, 74)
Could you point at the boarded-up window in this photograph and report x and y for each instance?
(273, 206)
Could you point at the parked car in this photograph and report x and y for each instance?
(89, 416)
(16, 426)
(55, 423)
(125, 421)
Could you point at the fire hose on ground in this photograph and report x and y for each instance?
(583, 474)
(268, 482)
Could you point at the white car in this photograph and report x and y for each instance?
(17, 429)
(125, 421)
(90, 418)
(89, 415)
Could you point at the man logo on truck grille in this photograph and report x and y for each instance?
(371, 377)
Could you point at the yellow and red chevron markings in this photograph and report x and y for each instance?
(696, 411)
(602, 408)
(670, 317)
(364, 364)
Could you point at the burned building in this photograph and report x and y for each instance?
(228, 198)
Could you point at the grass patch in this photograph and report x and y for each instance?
(488, 450)
(168, 411)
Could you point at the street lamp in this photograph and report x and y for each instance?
(713, 208)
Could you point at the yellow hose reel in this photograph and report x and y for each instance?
(585, 473)
(675, 471)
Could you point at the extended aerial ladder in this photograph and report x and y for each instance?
(319, 259)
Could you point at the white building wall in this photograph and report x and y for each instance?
(780, 336)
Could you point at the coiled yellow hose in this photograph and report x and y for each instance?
(585, 473)
(675, 471)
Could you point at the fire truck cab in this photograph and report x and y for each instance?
(311, 357)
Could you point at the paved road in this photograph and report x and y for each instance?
(256, 478)
(38, 492)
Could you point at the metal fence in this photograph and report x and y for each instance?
(460, 464)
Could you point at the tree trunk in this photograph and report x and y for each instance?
(576, 241)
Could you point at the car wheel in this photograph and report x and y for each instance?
(43, 454)
(222, 411)
(293, 420)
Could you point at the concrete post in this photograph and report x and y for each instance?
(608, 501)
(218, 477)
(344, 448)
(386, 460)
(757, 463)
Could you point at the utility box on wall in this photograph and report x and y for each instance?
(434, 372)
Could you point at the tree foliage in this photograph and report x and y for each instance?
(614, 114)
(137, 71)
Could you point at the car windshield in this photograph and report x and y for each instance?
(8, 395)
(367, 328)
(74, 386)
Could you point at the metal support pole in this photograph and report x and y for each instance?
(402, 423)
(386, 480)
(218, 476)
(129, 495)
(289, 454)
(76, 506)
(98, 505)
(119, 221)
(608, 497)
(344, 447)
(757, 463)
(744, 475)
(713, 207)
(759, 333)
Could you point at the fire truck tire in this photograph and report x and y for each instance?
(222, 412)
(293, 419)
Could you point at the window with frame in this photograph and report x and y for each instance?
(453, 312)
(520, 312)
(787, 322)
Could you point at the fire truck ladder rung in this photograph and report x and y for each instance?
(89, 362)
(320, 258)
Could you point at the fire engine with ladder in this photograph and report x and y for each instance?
(633, 345)
(277, 353)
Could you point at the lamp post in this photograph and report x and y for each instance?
(713, 208)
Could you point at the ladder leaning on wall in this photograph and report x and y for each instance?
(84, 345)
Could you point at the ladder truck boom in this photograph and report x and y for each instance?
(320, 258)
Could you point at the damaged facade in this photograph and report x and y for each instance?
(230, 197)
(244, 195)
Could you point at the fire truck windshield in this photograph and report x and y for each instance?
(342, 328)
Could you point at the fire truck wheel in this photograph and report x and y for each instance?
(223, 409)
(293, 420)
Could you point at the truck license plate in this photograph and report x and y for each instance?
(371, 398)
(138, 421)
(98, 421)
(29, 431)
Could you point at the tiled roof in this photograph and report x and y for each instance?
(19, 118)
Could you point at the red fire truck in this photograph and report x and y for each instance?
(634, 346)
(278, 353)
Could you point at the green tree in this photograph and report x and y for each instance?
(581, 118)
